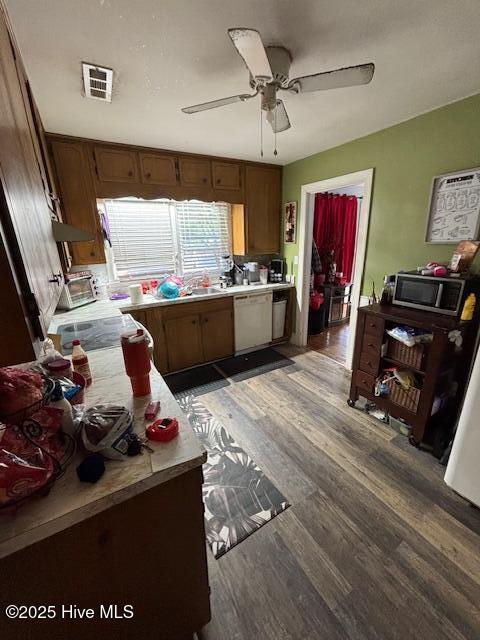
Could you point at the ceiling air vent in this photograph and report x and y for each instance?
(97, 82)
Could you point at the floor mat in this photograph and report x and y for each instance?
(253, 364)
(196, 381)
(238, 496)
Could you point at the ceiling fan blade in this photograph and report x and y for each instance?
(249, 45)
(213, 104)
(279, 118)
(346, 77)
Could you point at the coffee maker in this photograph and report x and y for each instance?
(228, 267)
(277, 270)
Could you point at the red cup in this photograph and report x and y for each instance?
(137, 361)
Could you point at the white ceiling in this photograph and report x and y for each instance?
(172, 53)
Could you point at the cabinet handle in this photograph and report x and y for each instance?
(218, 180)
(130, 174)
(148, 175)
(56, 277)
(204, 180)
(194, 322)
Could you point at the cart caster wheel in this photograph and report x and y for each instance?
(350, 402)
(413, 442)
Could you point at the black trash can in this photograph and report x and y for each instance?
(316, 320)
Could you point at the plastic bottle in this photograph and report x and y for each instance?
(205, 282)
(80, 362)
(469, 307)
(59, 402)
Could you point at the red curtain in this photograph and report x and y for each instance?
(335, 229)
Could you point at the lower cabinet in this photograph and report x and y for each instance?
(190, 333)
(184, 341)
(217, 334)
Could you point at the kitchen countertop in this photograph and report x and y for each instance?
(71, 501)
(108, 308)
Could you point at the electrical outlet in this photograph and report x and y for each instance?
(295, 260)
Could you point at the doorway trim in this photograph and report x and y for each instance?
(305, 230)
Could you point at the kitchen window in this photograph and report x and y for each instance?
(154, 237)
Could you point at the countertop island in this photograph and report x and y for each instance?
(71, 501)
(135, 538)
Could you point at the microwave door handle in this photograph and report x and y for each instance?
(439, 295)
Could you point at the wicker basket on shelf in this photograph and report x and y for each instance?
(411, 356)
(407, 398)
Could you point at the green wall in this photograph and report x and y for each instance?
(405, 158)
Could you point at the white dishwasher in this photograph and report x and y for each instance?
(253, 320)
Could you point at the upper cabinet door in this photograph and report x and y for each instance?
(195, 172)
(226, 175)
(157, 169)
(30, 232)
(262, 209)
(78, 201)
(116, 165)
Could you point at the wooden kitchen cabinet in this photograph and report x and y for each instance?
(217, 334)
(114, 164)
(30, 267)
(226, 175)
(77, 195)
(148, 551)
(117, 171)
(190, 333)
(184, 341)
(262, 209)
(158, 169)
(154, 324)
(195, 172)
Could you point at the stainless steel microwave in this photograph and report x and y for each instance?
(440, 295)
(77, 291)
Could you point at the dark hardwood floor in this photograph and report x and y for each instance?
(332, 342)
(374, 546)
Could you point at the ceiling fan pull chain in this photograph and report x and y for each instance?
(275, 132)
(261, 131)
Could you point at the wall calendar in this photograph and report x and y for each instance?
(454, 207)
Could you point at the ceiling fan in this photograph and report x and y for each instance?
(269, 69)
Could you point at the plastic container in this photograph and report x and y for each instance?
(263, 275)
(80, 362)
(59, 368)
(59, 402)
(137, 361)
(278, 324)
(469, 307)
(82, 383)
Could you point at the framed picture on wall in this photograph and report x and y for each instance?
(290, 222)
(454, 213)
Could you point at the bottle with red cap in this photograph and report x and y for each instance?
(80, 361)
(137, 361)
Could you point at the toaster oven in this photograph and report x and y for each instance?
(77, 291)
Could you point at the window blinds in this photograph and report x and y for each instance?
(203, 231)
(142, 237)
(154, 237)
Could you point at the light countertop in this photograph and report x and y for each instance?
(108, 308)
(71, 501)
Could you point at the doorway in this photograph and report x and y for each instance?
(359, 179)
(334, 237)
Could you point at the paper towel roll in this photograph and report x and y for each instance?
(136, 293)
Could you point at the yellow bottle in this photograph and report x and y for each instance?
(469, 307)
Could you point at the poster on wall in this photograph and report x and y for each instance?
(454, 207)
(290, 221)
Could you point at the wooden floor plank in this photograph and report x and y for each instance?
(375, 545)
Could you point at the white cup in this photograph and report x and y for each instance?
(135, 292)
